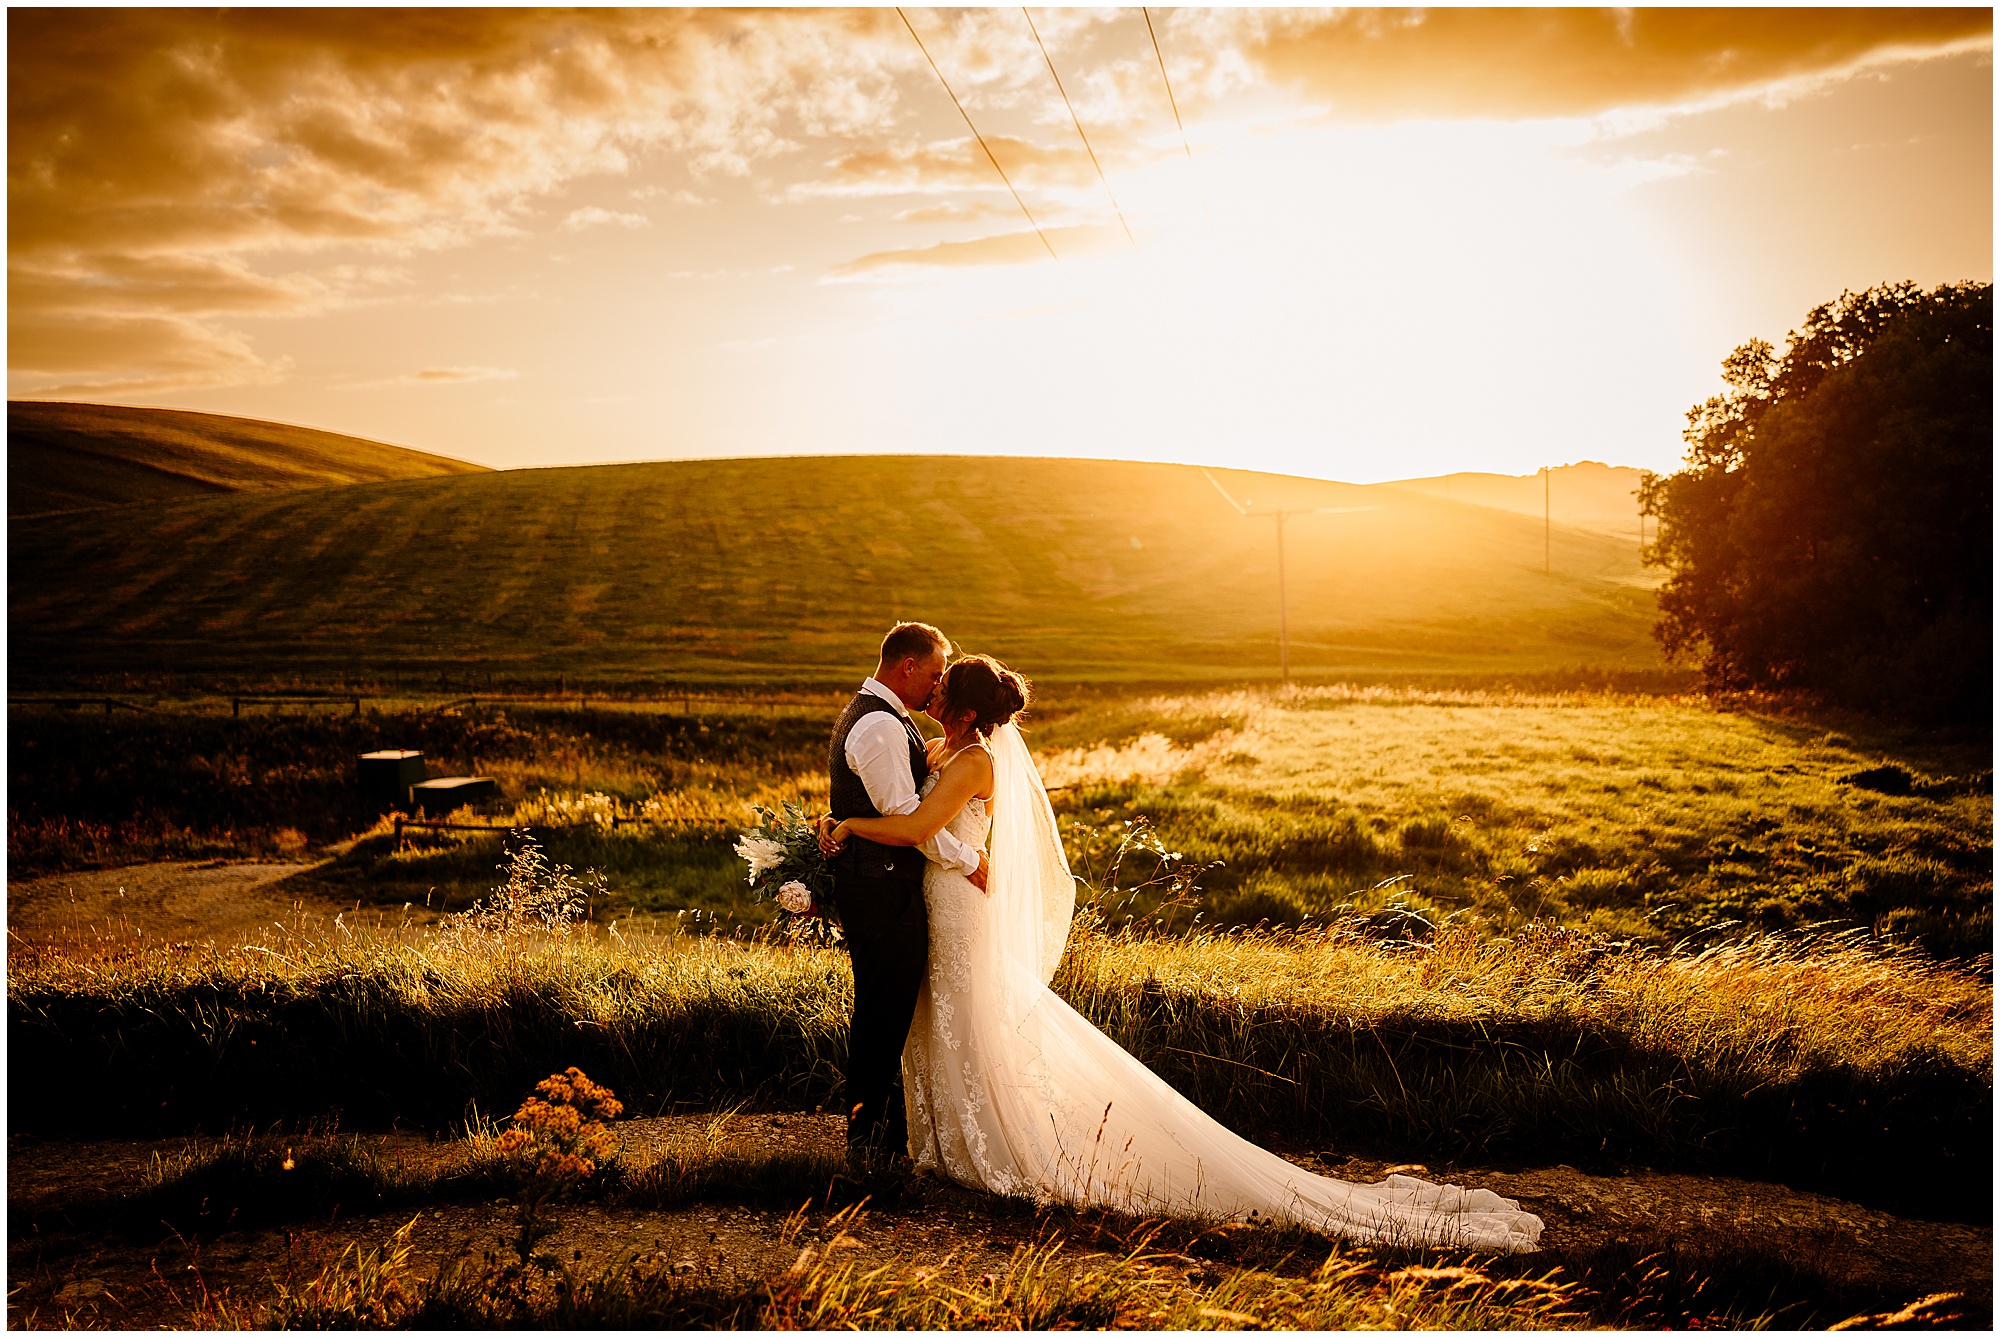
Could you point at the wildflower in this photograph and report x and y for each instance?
(537, 897)
(558, 1140)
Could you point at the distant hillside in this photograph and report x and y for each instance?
(1589, 495)
(790, 569)
(63, 457)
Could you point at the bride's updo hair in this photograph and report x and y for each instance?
(982, 685)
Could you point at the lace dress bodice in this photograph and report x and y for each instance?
(972, 823)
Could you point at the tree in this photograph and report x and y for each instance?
(1831, 527)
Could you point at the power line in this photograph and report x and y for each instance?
(1174, 102)
(1075, 121)
(1168, 82)
(1280, 516)
(976, 135)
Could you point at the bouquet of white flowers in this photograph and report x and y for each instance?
(782, 851)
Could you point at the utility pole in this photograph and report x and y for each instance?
(1545, 520)
(1284, 638)
(1280, 516)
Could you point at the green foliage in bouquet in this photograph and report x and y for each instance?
(782, 850)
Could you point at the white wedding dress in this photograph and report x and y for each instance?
(1011, 1090)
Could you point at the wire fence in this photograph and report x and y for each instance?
(109, 704)
(355, 701)
(403, 823)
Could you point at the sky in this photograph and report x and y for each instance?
(1352, 244)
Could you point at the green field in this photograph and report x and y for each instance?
(1639, 818)
(67, 457)
(789, 570)
(1633, 816)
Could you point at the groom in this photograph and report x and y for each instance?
(877, 767)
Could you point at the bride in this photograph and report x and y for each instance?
(1011, 1090)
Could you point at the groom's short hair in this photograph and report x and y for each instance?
(917, 641)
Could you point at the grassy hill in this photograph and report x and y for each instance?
(789, 569)
(62, 457)
(1588, 495)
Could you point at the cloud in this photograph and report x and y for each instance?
(173, 173)
(452, 376)
(156, 155)
(954, 165)
(590, 216)
(686, 197)
(439, 376)
(1637, 171)
(1006, 248)
(1515, 63)
(79, 352)
(953, 212)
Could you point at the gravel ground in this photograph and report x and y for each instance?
(59, 1276)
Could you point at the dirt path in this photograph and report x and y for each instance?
(143, 1282)
(221, 900)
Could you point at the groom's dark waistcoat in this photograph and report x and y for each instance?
(848, 798)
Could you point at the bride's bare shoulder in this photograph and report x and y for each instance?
(975, 756)
(977, 762)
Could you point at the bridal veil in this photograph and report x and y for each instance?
(1021, 1094)
(1033, 894)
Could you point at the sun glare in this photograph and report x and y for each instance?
(1393, 245)
(1365, 303)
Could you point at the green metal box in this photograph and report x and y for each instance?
(386, 776)
(439, 797)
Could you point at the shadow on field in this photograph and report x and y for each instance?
(699, 1218)
(1817, 1064)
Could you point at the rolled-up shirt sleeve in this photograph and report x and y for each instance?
(878, 749)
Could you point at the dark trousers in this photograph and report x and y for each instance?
(888, 941)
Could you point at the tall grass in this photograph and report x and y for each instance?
(1636, 817)
(1094, 1270)
(1046, 1284)
(1828, 1064)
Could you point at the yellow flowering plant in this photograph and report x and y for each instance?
(558, 1141)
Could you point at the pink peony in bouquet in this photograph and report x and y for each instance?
(782, 850)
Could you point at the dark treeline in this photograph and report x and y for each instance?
(1831, 529)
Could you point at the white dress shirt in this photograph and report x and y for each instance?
(878, 748)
